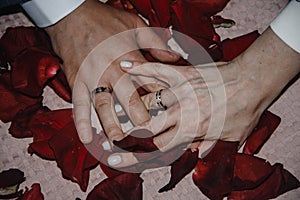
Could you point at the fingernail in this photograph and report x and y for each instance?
(126, 64)
(85, 139)
(118, 108)
(106, 146)
(114, 160)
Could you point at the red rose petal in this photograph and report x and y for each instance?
(42, 149)
(213, 174)
(56, 119)
(139, 140)
(31, 70)
(162, 11)
(143, 7)
(61, 87)
(33, 194)
(200, 29)
(250, 172)
(19, 125)
(209, 7)
(263, 131)
(11, 102)
(71, 155)
(32, 60)
(122, 187)
(270, 181)
(234, 47)
(180, 168)
(41, 135)
(18, 39)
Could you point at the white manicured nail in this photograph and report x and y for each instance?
(114, 160)
(118, 108)
(126, 64)
(106, 146)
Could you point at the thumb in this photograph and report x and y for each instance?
(147, 38)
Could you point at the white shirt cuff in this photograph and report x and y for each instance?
(287, 25)
(48, 12)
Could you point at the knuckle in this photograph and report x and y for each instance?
(113, 132)
(134, 101)
(80, 103)
(102, 101)
(159, 143)
(191, 73)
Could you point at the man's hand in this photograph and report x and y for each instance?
(79, 34)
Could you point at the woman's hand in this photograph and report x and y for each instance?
(205, 102)
(90, 61)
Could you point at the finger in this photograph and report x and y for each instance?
(119, 160)
(125, 90)
(165, 143)
(105, 108)
(159, 123)
(130, 100)
(82, 112)
(172, 75)
(150, 84)
(148, 39)
(167, 99)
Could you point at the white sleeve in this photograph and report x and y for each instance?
(47, 12)
(287, 25)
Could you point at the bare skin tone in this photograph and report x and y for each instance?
(75, 36)
(252, 82)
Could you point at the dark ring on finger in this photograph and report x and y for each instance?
(100, 90)
(159, 101)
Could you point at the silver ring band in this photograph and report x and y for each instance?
(159, 101)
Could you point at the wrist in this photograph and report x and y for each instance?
(267, 66)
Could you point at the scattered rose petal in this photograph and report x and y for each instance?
(71, 155)
(213, 174)
(262, 180)
(19, 126)
(143, 7)
(56, 119)
(40, 146)
(263, 131)
(180, 168)
(61, 87)
(122, 187)
(32, 60)
(11, 102)
(34, 193)
(234, 47)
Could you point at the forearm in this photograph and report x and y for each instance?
(268, 65)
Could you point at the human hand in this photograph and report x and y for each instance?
(244, 88)
(79, 34)
(203, 103)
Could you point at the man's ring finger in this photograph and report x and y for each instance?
(100, 90)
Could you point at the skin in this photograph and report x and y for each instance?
(252, 82)
(94, 17)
